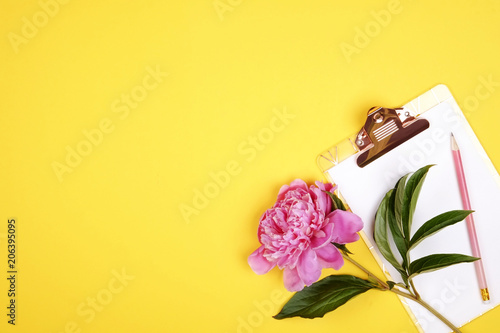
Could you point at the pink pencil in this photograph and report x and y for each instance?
(478, 264)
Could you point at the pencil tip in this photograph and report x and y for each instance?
(454, 145)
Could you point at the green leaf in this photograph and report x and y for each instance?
(391, 284)
(412, 190)
(437, 223)
(402, 285)
(399, 199)
(401, 243)
(343, 248)
(337, 203)
(437, 261)
(324, 296)
(380, 234)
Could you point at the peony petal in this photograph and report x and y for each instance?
(323, 237)
(321, 199)
(325, 186)
(259, 263)
(297, 183)
(330, 257)
(292, 280)
(282, 191)
(308, 267)
(346, 227)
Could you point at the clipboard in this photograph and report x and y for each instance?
(394, 142)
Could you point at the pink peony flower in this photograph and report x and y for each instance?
(297, 234)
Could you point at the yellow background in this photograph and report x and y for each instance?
(231, 64)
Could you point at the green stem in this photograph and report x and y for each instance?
(416, 298)
(414, 289)
(428, 307)
(358, 265)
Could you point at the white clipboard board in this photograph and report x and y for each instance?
(364, 179)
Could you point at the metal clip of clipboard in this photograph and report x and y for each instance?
(384, 130)
(407, 119)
